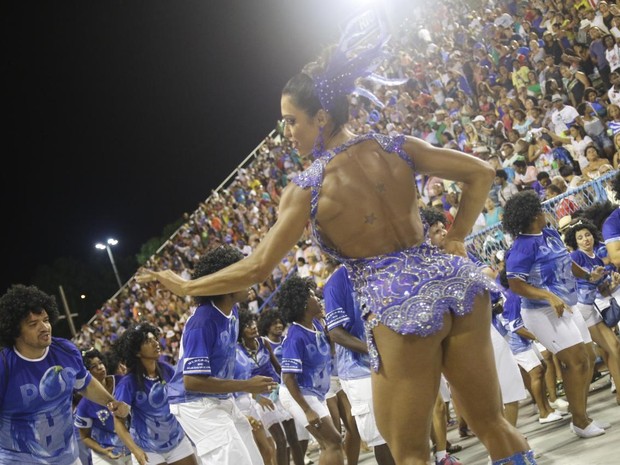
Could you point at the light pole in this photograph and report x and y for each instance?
(101, 246)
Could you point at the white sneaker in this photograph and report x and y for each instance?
(589, 431)
(559, 404)
(558, 412)
(601, 424)
(551, 418)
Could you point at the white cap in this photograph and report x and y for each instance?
(479, 118)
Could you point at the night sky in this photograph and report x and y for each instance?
(122, 115)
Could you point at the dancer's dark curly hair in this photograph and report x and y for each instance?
(520, 211)
(432, 216)
(267, 318)
(213, 261)
(597, 213)
(89, 354)
(15, 306)
(570, 238)
(615, 185)
(127, 348)
(292, 298)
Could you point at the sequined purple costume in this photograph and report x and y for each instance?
(409, 290)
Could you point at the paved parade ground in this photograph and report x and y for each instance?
(555, 443)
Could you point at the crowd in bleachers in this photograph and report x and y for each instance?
(528, 86)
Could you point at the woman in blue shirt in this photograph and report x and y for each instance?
(307, 366)
(155, 435)
(589, 253)
(540, 270)
(95, 422)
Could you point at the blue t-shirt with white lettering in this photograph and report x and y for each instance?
(243, 366)
(542, 260)
(36, 425)
(276, 347)
(611, 227)
(512, 316)
(341, 310)
(208, 348)
(153, 427)
(306, 353)
(100, 420)
(587, 291)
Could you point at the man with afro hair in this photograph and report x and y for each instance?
(38, 375)
(200, 391)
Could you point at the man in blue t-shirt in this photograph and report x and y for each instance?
(346, 328)
(200, 392)
(38, 374)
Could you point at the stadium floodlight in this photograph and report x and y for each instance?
(101, 246)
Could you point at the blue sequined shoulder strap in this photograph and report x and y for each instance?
(313, 175)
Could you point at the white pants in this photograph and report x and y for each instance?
(529, 359)
(99, 459)
(291, 405)
(359, 392)
(221, 434)
(510, 380)
(184, 449)
(556, 333)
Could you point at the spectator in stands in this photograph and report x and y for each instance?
(562, 117)
(492, 214)
(506, 189)
(546, 283)
(543, 180)
(578, 140)
(613, 94)
(254, 302)
(525, 175)
(616, 155)
(612, 52)
(597, 52)
(568, 173)
(576, 82)
(595, 127)
(613, 118)
(595, 161)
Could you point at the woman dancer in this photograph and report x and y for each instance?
(307, 366)
(360, 195)
(96, 423)
(539, 269)
(258, 354)
(590, 253)
(155, 436)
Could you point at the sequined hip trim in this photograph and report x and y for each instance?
(410, 291)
